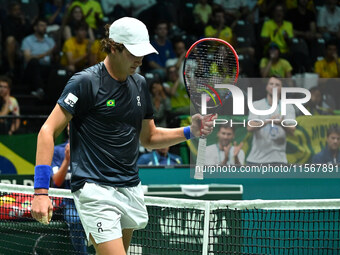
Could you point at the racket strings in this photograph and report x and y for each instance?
(208, 64)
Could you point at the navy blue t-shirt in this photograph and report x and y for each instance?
(105, 128)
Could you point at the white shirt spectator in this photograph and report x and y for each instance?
(269, 142)
(214, 156)
(328, 20)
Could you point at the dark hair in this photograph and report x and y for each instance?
(153, 82)
(218, 9)
(161, 21)
(6, 79)
(316, 88)
(281, 79)
(333, 129)
(81, 25)
(39, 19)
(331, 42)
(69, 18)
(227, 125)
(106, 44)
(13, 4)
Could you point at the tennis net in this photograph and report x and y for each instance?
(179, 226)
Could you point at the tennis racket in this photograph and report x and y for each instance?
(208, 63)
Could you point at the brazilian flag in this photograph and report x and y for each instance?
(17, 153)
(110, 103)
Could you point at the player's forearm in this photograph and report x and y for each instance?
(164, 137)
(45, 147)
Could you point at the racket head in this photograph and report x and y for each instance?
(210, 61)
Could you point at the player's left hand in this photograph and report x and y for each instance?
(202, 125)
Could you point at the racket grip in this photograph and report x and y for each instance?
(200, 161)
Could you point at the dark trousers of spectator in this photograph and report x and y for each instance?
(36, 74)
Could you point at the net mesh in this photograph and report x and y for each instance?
(178, 226)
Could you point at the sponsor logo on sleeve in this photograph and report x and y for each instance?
(71, 99)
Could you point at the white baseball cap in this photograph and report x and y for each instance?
(133, 34)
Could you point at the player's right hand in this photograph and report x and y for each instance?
(42, 209)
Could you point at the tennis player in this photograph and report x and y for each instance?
(110, 110)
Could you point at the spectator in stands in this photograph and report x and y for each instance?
(304, 21)
(150, 10)
(269, 136)
(8, 106)
(180, 103)
(115, 9)
(329, 67)
(202, 13)
(291, 4)
(74, 16)
(234, 10)
(305, 33)
(160, 103)
(138, 7)
(178, 61)
(76, 50)
(218, 28)
(273, 65)
(315, 105)
(61, 176)
(164, 47)
(225, 152)
(278, 30)
(15, 28)
(96, 54)
(38, 51)
(92, 10)
(159, 157)
(331, 153)
(329, 20)
(54, 11)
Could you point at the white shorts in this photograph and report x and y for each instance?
(104, 211)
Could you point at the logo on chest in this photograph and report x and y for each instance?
(111, 103)
(138, 101)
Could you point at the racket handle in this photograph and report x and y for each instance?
(200, 161)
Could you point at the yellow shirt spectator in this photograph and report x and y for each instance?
(91, 6)
(97, 55)
(276, 34)
(75, 50)
(280, 68)
(290, 4)
(327, 69)
(203, 11)
(226, 33)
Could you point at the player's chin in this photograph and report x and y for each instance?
(133, 70)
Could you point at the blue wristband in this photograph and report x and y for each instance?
(42, 175)
(187, 133)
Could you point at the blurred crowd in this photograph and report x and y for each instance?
(43, 42)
